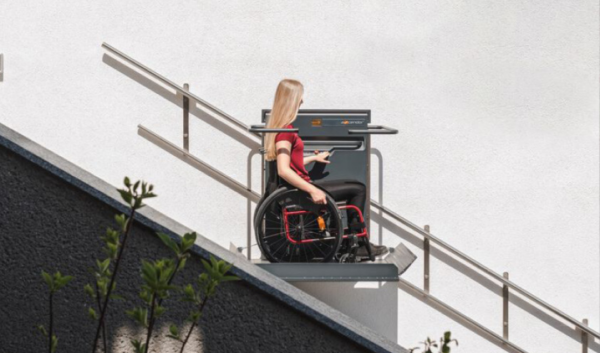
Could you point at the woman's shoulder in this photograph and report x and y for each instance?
(287, 135)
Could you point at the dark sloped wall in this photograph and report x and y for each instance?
(47, 223)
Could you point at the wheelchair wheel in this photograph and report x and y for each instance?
(289, 227)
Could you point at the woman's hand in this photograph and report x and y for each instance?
(321, 157)
(318, 196)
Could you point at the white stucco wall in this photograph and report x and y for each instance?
(496, 102)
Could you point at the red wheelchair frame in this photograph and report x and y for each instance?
(286, 214)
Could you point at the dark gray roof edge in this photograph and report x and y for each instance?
(153, 219)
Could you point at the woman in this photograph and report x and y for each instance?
(287, 149)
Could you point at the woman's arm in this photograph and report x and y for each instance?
(318, 157)
(283, 170)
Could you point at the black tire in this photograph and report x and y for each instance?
(270, 231)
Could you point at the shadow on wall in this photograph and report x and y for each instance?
(484, 281)
(175, 151)
(176, 99)
(382, 222)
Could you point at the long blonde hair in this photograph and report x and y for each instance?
(285, 107)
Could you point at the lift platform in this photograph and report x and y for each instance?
(346, 134)
(388, 269)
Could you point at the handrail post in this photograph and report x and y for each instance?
(584, 338)
(426, 259)
(505, 308)
(186, 119)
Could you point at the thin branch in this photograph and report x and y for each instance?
(160, 300)
(103, 324)
(151, 323)
(187, 337)
(193, 324)
(112, 278)
(50, 326)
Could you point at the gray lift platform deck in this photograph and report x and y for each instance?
(388, 269)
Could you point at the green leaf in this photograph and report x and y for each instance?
(174, 333)
(447, 336)
(159, 310)
(136, 185)
(182, 263)
(149, 273)
(42, 329)
(230, 278)
(146, 296)
(127, 182)
(102, 284)
(48, 278)
(120, 219)
(168, 242)
(125, 195)
(54, 344)
(194, 316)
(189, 292)
(214, 262)
(138, 203)
(203, 278)
(139, 315)
(92, 313)
(206, 265)
(173, 330)
(62, 281)
(188, 241)
(116, 297)
(105, 264)
(139, 347)
(89, 290)
(111, 250)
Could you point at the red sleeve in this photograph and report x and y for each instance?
(285, 136)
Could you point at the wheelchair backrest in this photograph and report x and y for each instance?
(273, 181)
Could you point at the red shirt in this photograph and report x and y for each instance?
(297, 153)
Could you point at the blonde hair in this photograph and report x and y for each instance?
(285, 107)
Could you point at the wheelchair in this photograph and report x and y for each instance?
(290, 227)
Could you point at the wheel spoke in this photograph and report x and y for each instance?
(274, 236)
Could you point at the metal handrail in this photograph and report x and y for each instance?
(403, 282)
(198, 161)
(175, 86)
(483, 268)
(394, 215)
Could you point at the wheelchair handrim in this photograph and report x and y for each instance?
(307, 249)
